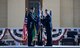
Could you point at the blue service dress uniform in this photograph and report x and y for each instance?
(30, 23)
(46, 22)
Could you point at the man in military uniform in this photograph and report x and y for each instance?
(30, 23)
(46, 22)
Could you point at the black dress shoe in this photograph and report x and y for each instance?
(30, 45)
(48, 45)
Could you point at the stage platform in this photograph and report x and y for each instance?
(54, 46)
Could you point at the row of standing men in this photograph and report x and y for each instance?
(45, 21)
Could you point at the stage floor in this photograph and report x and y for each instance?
(54, 46)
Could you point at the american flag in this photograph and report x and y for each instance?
(25, 31)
